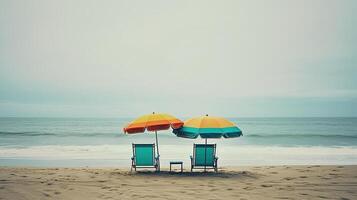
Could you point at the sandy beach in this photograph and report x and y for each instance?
(259, 182)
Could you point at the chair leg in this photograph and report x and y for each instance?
(216, 165)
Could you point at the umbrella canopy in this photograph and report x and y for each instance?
(153, 122)
(208, 127)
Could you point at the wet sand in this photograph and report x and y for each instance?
(255, 182)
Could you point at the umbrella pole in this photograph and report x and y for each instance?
(205, 153)
(157, 147)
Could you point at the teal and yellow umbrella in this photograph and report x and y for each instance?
(208, 127)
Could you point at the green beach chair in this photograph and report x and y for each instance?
(144, 157)
(204, 157)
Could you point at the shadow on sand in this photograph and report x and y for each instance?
(219, 174)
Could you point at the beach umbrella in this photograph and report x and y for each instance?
(208, 127)
(153, 122)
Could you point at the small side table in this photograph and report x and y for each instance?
(177, 163)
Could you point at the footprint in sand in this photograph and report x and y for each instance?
(266, 185)
(284, 198)
(57, 192)
(303, 176)
(248, 188)
(274, 172)
(304, 171)
(46, 195)
(288, 178)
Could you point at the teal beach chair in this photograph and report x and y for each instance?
(144, 157)
(204, 157)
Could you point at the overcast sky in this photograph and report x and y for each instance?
(226, 58)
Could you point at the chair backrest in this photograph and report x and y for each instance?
(204, 154)
(144, 154)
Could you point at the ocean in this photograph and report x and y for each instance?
(100, 142)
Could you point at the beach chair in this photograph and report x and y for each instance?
(204, 157)
(144, 157)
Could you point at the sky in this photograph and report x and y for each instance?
(274, 58)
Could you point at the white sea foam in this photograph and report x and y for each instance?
(228, 155)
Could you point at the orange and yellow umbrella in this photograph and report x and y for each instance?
(153, 122)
